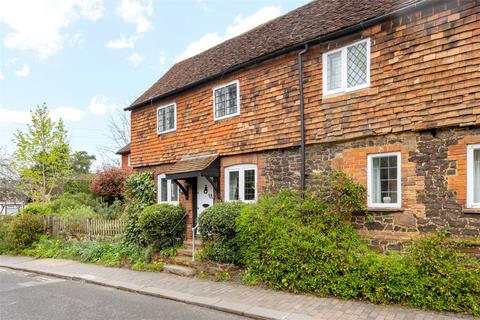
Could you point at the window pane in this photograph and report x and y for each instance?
(161, 120)
(384, 180)
(171, 117)
(226, 100)
(163, 189)
(249, 185)
(233, 185)
(174, 192)
(334, 70)
(357, 64)
(476, 176)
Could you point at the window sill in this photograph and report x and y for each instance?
(385, 209)
(226, 117)
(471, 210)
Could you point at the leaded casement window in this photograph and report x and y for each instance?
(384, 180)
(347, 69)
(473, 176)
(226, 100)
(241, 183)
(167, 118)
(167, 190)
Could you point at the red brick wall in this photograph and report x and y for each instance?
(425, 73)
(124, 161)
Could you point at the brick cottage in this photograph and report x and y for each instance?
(387, 91)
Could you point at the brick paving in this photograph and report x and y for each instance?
(250, 301)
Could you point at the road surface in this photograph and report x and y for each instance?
(28, 296)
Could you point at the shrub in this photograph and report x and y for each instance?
(295, 244)
(68, 201)
(139, 193)
(341, 195)
(41, 209)
(4, 225)
(109, 183)
(24, 230)
(162, 225)
(218, 229)
(78, 184)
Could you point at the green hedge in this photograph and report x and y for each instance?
(23, 230)
(295, 244)
(218, 229)
(162, 225)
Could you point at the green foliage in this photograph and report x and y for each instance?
(139, 193)
(79, 183)
(82, 161)
(40, 209)
(162, 225)
(43, 155)
(23, 231)
(109, 253)
(4, 226)
(298, 245)
(218, 229)
(341, 195)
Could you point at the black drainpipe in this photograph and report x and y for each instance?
(302, 120)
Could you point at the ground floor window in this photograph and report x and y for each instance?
(473, 176)
(241, 183)
(384, 180)
(167, 190)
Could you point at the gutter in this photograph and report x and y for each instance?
(330, 36)
(302, 119)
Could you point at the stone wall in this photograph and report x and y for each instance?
(433, 180)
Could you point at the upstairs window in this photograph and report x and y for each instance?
(384, 180)
(473, 176)
(226, 101)
(166, 118)
(347, 69)
(241, 183)
(167, 190)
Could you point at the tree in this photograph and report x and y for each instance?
(43, 155)
(109, 183)
(82, 161)
(118, 133)
(8, 180)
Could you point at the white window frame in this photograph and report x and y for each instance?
(129, 160)
(169, 190)
(215, 118)
(370, 204)
(470, 183)
(343, 88)
(175, 120)
(241, 168)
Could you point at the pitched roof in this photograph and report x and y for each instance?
(124, 150)
(185, 165)
(311, 21)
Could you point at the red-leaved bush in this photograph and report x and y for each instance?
(109, 183)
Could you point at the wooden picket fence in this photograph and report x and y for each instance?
(83, 227)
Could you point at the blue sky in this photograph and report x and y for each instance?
(88, 58)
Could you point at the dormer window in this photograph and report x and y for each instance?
(167, 118)
(226, 100)
(347, 69)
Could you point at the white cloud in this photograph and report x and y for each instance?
(13, 116)
(122, 42)
(1, 76)
(99, 105)
(162, 58)
(67, 114)
(135, 59)
(136, 12)
(240, 25)
(23, 71)
(10, 62)
(41, 27)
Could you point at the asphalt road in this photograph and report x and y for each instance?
(25, 296)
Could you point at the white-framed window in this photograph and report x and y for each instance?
(167, 118)
(473, 176)
(241, 183)
(226, 100)
(347, 69)
(167, 190)
(384, 185)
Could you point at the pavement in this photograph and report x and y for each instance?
(30, 296)
(253, 302)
